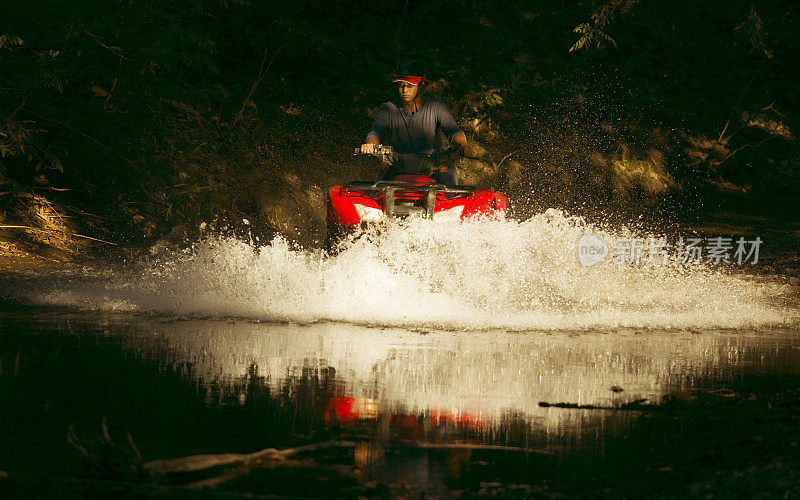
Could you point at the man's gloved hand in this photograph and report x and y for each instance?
(367, 148)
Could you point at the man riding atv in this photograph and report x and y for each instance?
(406, 136)
(412, 126)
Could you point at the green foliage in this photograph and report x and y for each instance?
(753, 29)
(157, 113)
(9, 41)
(592, 32)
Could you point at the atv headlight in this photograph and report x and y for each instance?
(449, 215)
(369, 214)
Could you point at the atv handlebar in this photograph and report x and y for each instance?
(386, 153)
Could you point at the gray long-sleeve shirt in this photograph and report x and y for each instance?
(416, 132)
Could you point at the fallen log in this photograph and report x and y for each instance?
(635, 405)
(195, 463)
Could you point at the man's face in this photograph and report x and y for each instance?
(407, 91)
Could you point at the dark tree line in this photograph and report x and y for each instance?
(146, 114)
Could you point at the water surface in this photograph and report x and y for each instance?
(450, 360)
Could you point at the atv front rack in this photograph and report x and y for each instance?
(429, 189)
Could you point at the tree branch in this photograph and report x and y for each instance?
(261, 72)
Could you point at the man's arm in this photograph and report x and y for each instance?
(453, 132)
(380, 129)
(461, 142)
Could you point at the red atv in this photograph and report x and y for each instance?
(360, 203)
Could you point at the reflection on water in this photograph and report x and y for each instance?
(486, 373)
(489, 384)
(184, 387)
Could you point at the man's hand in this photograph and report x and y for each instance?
(460, 142)
(469, 151)
(368, 147)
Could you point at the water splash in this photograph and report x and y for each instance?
(506, 275)
(483, 376)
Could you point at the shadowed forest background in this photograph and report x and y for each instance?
(128, 120)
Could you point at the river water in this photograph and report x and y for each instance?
(482, 359)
